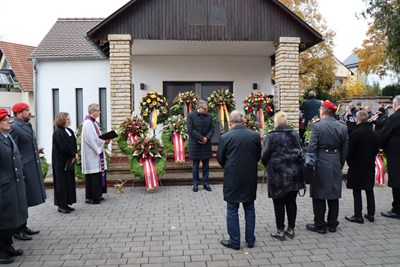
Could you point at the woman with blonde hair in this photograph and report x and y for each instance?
(280, 155)
(64, 155)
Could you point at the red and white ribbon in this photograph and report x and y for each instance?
(132, 138)
(179, 147)
(379, 170)
(150, 174)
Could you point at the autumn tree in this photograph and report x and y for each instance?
(317, 64)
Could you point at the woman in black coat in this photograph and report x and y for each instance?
(363, 148)
(280, 155)
(64, 154)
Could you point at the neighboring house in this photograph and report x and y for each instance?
(341, 73)
(352, 61)
(169, 47)
(16, 75)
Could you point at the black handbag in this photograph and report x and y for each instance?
(308, 162)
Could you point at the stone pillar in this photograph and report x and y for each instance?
(120, 80)
(287, 90)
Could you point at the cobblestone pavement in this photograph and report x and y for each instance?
(173, 226)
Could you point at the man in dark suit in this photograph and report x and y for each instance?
(239, 151)
(200, 129)
(329, 143)
(390, 143)
(25, 138)
(363, 148)
(13, 206)
(310, 108)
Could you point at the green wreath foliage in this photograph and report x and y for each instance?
(258, 100)
(154, 100)
(218, 96)
(44, 164)
(175, 123)
(184, 98)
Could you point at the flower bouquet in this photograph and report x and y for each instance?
(154, 108)
(184, 103)
(260, 105)
(175, 129)
(220, 103)
(130, 129)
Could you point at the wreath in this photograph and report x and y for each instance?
(175, 123)
(259, 105)
(144, 148)
(130, 128)
(251, 123)
(154, 108)
(220, 103)
(185, 102)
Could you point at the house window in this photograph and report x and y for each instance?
(103, 108)
(56, 101)
(79, 106)
(7, 78)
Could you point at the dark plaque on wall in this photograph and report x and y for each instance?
(217, 16)
(196, 15)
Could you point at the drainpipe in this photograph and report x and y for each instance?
(35, 94)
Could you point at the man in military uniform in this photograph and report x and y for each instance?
(329, 143)
(13, 206)
(25, 139)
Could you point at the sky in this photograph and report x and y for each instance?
(28, 21)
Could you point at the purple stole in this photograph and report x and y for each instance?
(102, 161)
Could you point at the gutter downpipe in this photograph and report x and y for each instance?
(35, 95)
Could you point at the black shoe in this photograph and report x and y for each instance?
(101, 198)
(228, 244)
(321, 230)
(92, 201)
(6, 260)
(70, 208)
(332, 227)
(63, 210)
(250, 245)
(369, 218)
(290, 232)
(207, 187)
(279, 234)
(354, 219)
(30, 231)
(195, 188)
(391, 214)
(12, 252)
(22, 236)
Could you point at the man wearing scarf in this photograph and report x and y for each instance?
(94, 163)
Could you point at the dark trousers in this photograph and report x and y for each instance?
(396, 200)
(358, 202)
(93, 186)
(232, 221)
(195, 170)
(5, 242)
(288, 202)
(319, 207)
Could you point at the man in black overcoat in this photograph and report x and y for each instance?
(390, 143)
(13, 205)
(239, 151)
(363, 148)
(200, 129)
(25, 138)
(310, 107)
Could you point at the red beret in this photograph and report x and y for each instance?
(19, 107)
(329, 105)
(3, 113)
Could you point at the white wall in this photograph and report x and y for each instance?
(67, 76)
(241, 70)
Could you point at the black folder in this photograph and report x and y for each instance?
(109, 135)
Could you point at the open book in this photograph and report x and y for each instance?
(109, 135)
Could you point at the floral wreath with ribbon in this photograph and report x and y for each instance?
(154, 108)
(129, 130)
(175, 129)
(220, 103)
(251, 123)
(184, 103)
(259, 105)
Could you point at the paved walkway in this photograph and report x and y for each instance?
(176, 227)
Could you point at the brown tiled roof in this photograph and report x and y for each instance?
(67, 40)
(17, 57)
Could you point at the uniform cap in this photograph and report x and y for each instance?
(329, 105)
(19, 107)
(3, 113)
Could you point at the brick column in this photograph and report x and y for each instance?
(287, 91)
(120, 80)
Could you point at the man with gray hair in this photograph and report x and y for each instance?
(390, 143)
(239, 151)
(94, 163)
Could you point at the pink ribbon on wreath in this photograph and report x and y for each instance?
(179, 147)
(260, 117)
(150, 174)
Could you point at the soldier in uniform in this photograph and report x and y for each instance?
(329, 143)
(25, 138)
(13, 205)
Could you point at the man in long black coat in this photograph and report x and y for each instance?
(390, 143)
(363, 148)
(13, 205)
(239, 151)
(200, 129)
(25, 138)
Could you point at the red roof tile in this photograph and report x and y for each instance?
(17, 56)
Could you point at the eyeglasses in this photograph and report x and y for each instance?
(96, 110)
(6, 119)
(204, 108)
